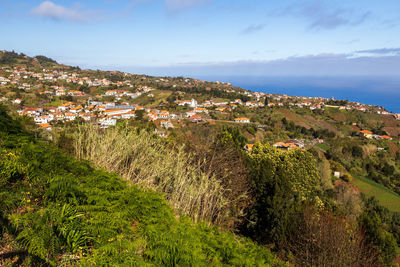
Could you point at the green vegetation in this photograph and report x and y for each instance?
(386, 197)
(377, 220)
(45, 61)
(60, 211)
(144, 159)
(282, 181)
(8, 58)
(56, 102)
(159, 97)
(324, 147)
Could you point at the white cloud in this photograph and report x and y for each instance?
(51, 10)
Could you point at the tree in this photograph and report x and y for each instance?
(375, 220)
(324, 239)
(357, 151)
(325, 174)
(234, 135)
(139, 114)
(282, 181)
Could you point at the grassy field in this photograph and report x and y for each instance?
(57, 102)
(324, 147)
(386, 197)
(159, 96)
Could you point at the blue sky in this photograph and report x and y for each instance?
(204, 37)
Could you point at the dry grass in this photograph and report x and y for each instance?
(368, 150)
(147, 161)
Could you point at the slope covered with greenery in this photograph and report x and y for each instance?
(386, 197)
(160, 189)
(56, 210)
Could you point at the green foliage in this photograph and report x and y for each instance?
(139, 114)
(10, 57)
(282, 182)
(376, 221)
(61, 211)
(296, 130)
(232, 135)
(43, 60)
(347, 177)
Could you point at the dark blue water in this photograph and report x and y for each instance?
(381, 91)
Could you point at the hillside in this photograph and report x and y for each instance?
(105, 167)
(60, 211)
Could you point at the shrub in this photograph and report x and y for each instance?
(347, 177)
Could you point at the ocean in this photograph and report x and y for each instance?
(381, 91)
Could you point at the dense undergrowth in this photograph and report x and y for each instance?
(286, 197)
(146, 160)
(56, 210)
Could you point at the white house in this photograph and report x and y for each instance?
(43, 119)
(242, 120)
(190, 113)
(76, 109)
(17, 101)
(113, 112)
(128, 115)
(66, 106)
(163, 114)
(107, 122)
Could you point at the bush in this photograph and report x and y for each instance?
(347, 177)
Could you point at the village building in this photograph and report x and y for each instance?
(46, 126)
(166, 124)
(366, 134)
(66, 106)
(196, 118)
(242, 120)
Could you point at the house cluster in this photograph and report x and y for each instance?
(104, 114)
(370, 135)
(107, 113)
(220, 106)
(26, 79)
(313, 103)
(288, 145)
(55, 90)
(194, 115)
(118, 94)
(297, 143)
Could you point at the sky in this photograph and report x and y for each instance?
(210, 37)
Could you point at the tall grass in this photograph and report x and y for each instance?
(146, 160)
